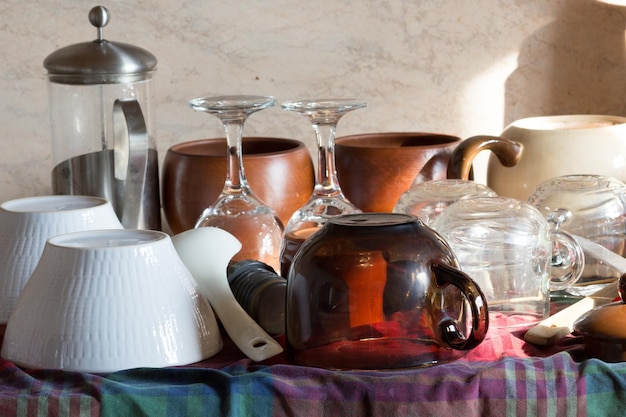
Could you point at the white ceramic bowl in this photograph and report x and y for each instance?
(26, 224)
(109, 300)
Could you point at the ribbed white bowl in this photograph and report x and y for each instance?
(26, 224)
(103, 301)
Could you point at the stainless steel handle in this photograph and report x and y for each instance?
(131, 160)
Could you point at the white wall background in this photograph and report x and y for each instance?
(461, 67)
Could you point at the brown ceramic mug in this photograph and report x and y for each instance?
(279, 171)
(374, 169)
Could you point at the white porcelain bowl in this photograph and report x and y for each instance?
(26, 224)
(109, 300)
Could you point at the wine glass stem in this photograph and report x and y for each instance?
(235, 176)
(326, 183)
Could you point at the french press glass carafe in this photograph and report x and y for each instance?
(101, 113)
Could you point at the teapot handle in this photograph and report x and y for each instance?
(460, 164)
(452, 335)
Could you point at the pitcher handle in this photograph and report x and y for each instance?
(452, 335)
(460, 165)
(130, 132)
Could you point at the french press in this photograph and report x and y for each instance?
(101, 111)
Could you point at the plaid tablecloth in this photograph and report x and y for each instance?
(502, 377)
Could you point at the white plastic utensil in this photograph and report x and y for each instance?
(561, 324)
(206, 252)
(610, 258)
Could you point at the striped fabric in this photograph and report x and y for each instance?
(502, 377)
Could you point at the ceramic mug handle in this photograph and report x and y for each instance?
(447, 275)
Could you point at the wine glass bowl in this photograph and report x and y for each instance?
(327, 200)
(237, 209)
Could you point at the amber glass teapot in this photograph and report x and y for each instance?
(380, 291)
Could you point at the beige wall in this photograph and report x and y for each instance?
(461, 67)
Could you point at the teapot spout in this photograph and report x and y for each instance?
(507, 151)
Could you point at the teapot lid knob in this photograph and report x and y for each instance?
(99, 17)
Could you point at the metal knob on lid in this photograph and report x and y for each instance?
(99, 17)
(100, 61)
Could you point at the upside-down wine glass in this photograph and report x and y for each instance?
(237, 209)
(327, 200)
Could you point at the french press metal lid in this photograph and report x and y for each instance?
(100, 61)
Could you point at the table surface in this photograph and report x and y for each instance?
(503, 376)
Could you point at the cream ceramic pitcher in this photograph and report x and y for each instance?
(558, 145)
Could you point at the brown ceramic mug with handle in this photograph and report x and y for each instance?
(279, 171)
(374, 169)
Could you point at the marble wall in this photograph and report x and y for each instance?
(462, 67)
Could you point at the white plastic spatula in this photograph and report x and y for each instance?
(557, 326)
(206, 252)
